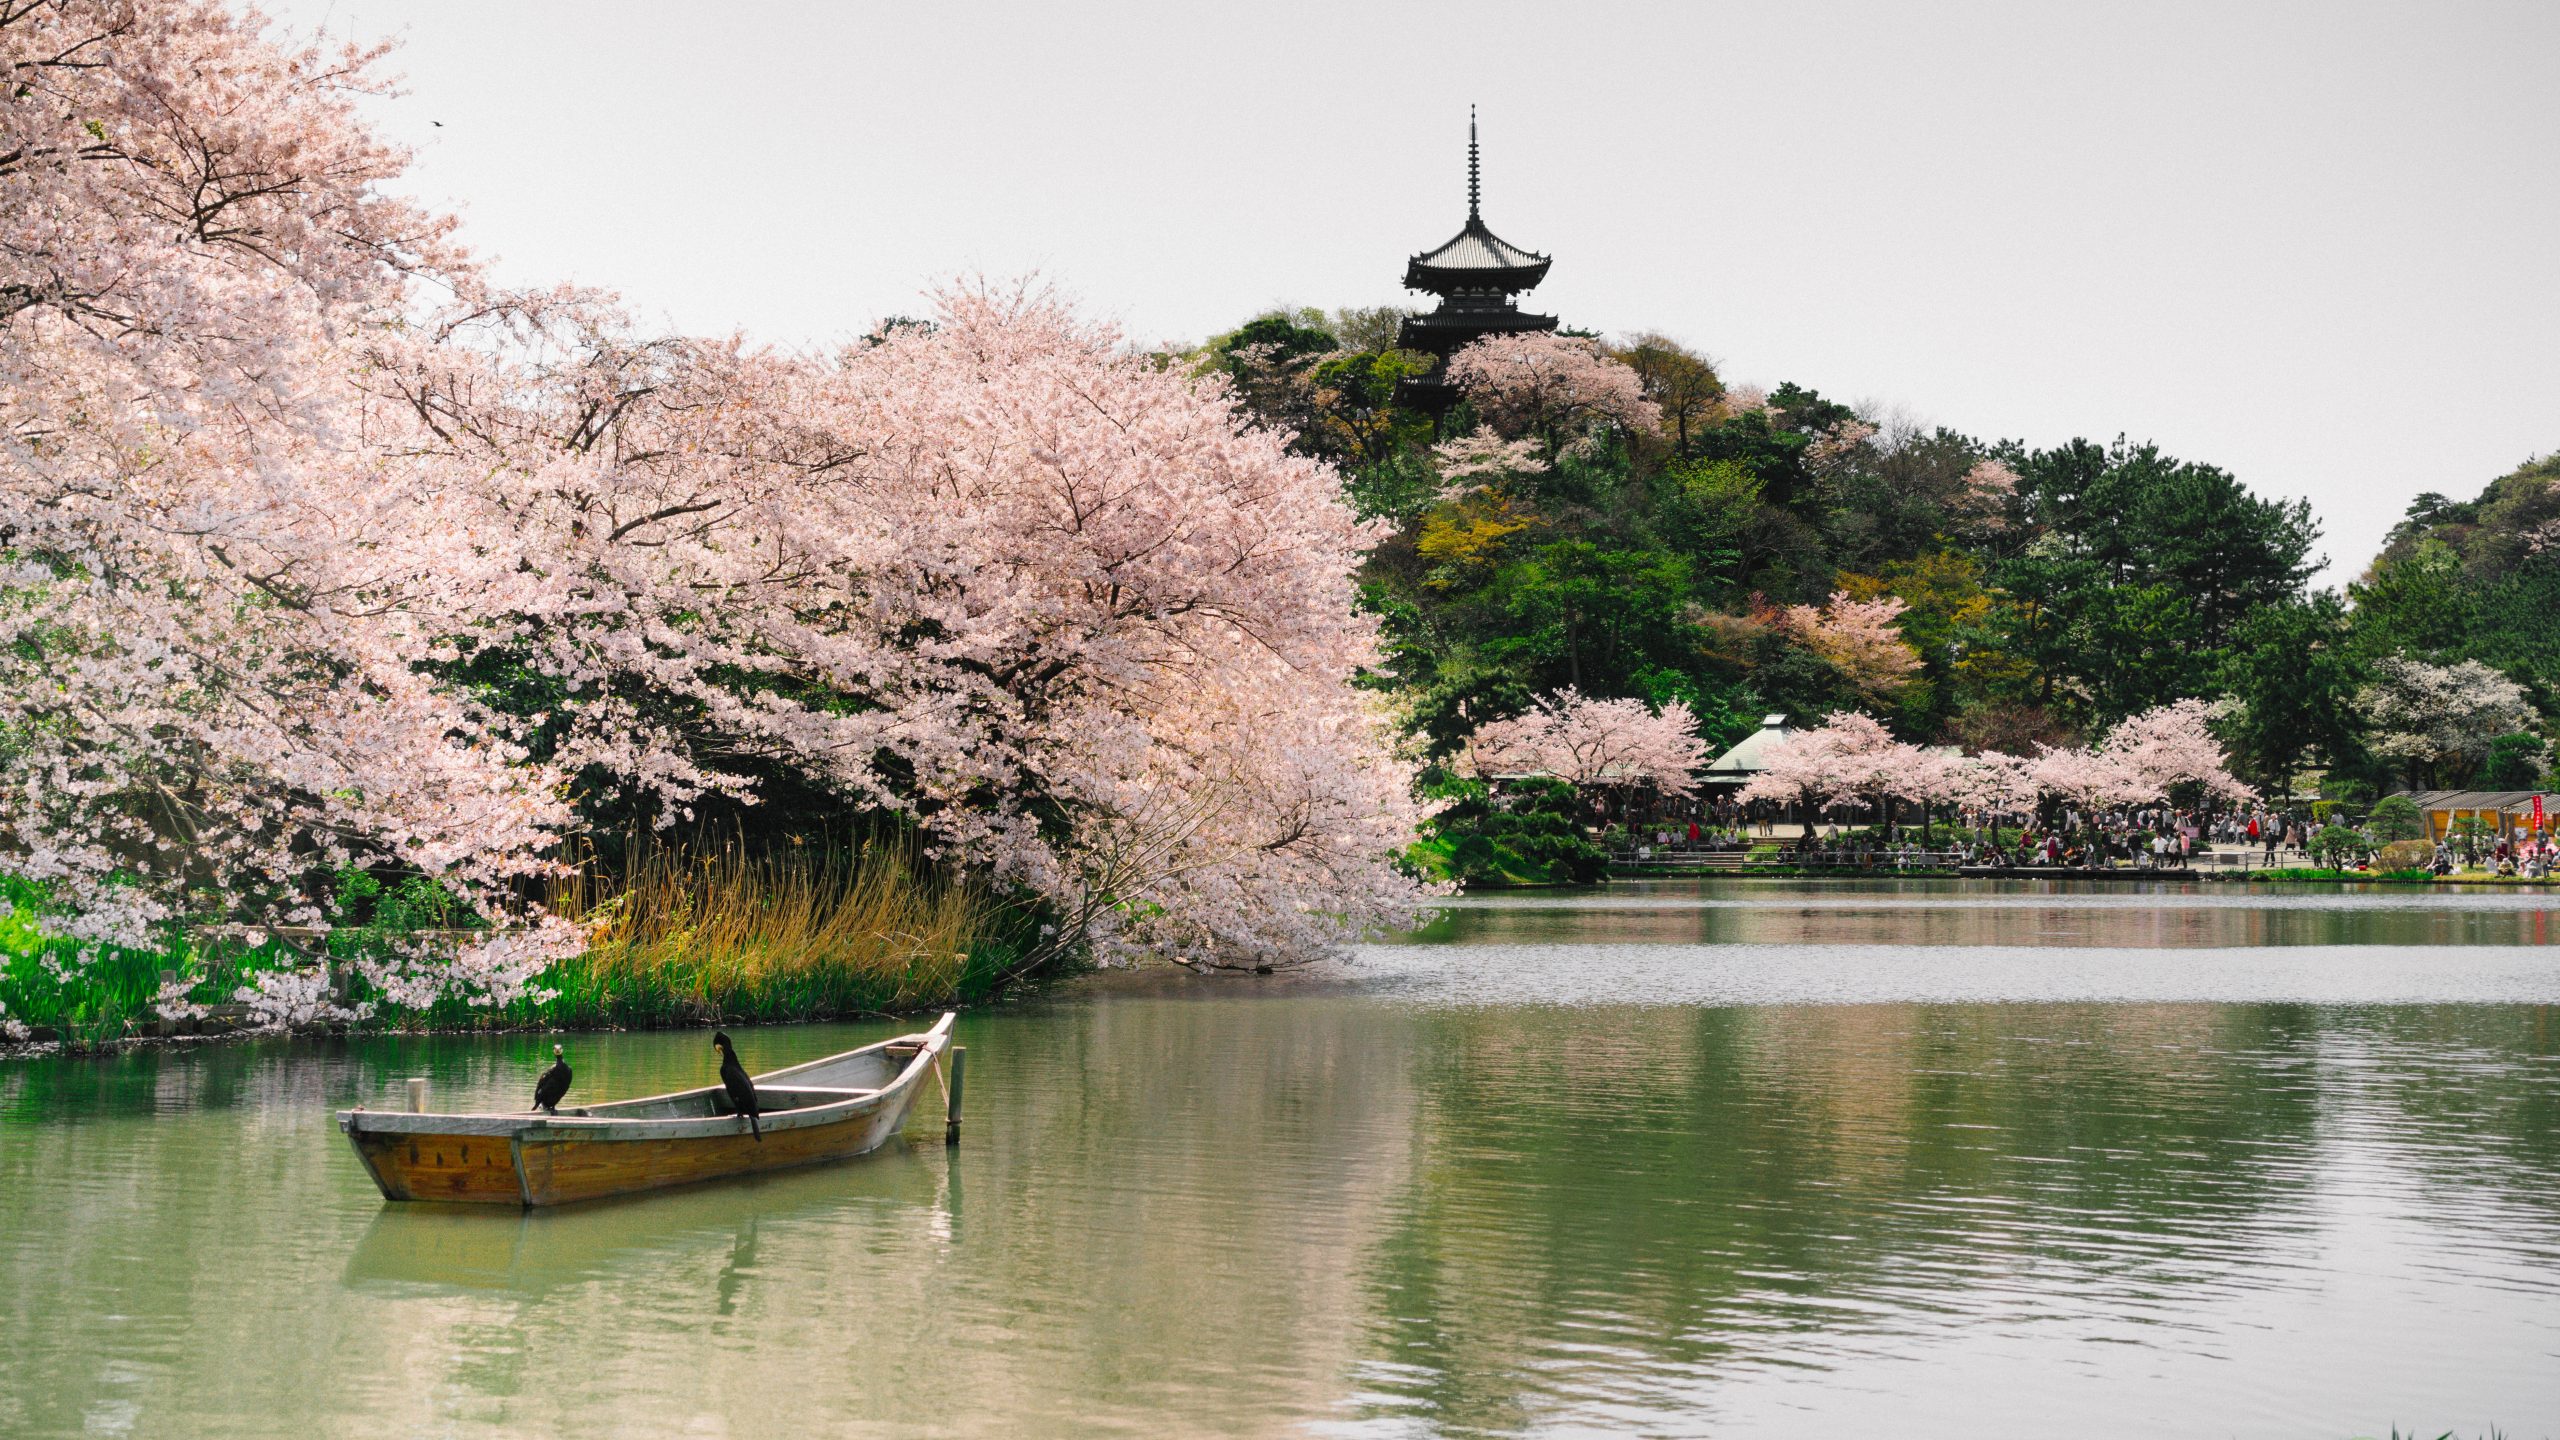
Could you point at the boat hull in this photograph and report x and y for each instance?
(539, 1170)
(648, 1144)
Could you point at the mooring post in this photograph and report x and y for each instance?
(417, 1095)
(951, 1122)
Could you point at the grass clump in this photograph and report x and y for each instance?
(804, 933)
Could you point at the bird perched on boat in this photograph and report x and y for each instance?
(553, 1084)
(733, 1078)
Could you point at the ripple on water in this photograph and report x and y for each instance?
(1450, 1190)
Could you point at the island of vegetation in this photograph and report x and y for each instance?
(381, 645)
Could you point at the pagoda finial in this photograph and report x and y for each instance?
(1474, 185)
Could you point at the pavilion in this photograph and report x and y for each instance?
(1743, 763)
(2500, 812)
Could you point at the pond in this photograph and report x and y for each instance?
(1931, 1159)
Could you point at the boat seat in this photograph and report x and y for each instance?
(778, 1099)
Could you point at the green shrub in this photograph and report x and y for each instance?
(2396, 817)
(2337, 844)
(1531, 834)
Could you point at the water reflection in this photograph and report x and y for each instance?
(1363, 1207)
(2041, 914)
(411, 1248)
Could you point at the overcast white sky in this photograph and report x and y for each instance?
(2316, 244)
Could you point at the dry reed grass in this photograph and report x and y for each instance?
(804, 933)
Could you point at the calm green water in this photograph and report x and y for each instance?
(1935, 1161)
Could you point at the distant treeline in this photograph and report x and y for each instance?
(1749, 552)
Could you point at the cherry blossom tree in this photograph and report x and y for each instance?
(1847, 762)
(215, 580)
(1588, 741)
(2439, 719)
(1985, 493)
(1061, 607)
(1834, 445)
(1560, 388)
(1852, 761)
(2144, 759)
(2170, 746)
(2086, 778)
(1859, 638)
(282, 478)
(1743, 400)
(1480, 456)
(1994, 783)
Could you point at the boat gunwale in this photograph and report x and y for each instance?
(535, 1127)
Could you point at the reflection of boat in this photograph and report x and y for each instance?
(534, 1252)
(828, 1109)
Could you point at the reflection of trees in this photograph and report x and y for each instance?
(1619, 1192)
(1843, 915)
(1182, 1188)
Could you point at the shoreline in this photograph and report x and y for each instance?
(2208, 874)
(61, 1049)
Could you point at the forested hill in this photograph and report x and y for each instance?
(1612, 517)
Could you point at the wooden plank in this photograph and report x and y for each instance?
(472, 1168)
(560, 1169)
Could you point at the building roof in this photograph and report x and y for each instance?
(1751, 755)
(2517, 800)
(1477, 248)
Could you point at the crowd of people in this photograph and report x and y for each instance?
(2525, 857)
(2155, 837)
(2150, 837)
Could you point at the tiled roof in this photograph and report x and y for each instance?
(1476, 248)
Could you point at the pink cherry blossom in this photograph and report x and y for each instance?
(1844, 763)
(2169, 746)
(272, 451)
(1587, 741)
(1480, 455)
(2142, 760)
(1985, 493)
(1833, 445)
(1560, 388)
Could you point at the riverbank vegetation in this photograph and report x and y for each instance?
(722, 935)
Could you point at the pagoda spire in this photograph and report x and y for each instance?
(1475, 273)
(1475, 187)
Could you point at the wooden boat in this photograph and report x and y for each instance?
(830, 1109)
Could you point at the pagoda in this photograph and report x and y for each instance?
(1475, 274)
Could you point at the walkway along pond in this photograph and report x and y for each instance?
(1931, 1159)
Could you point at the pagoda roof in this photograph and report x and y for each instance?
(1477, 248)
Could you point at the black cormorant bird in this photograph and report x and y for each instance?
(553, 1084)
(742, 1091)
